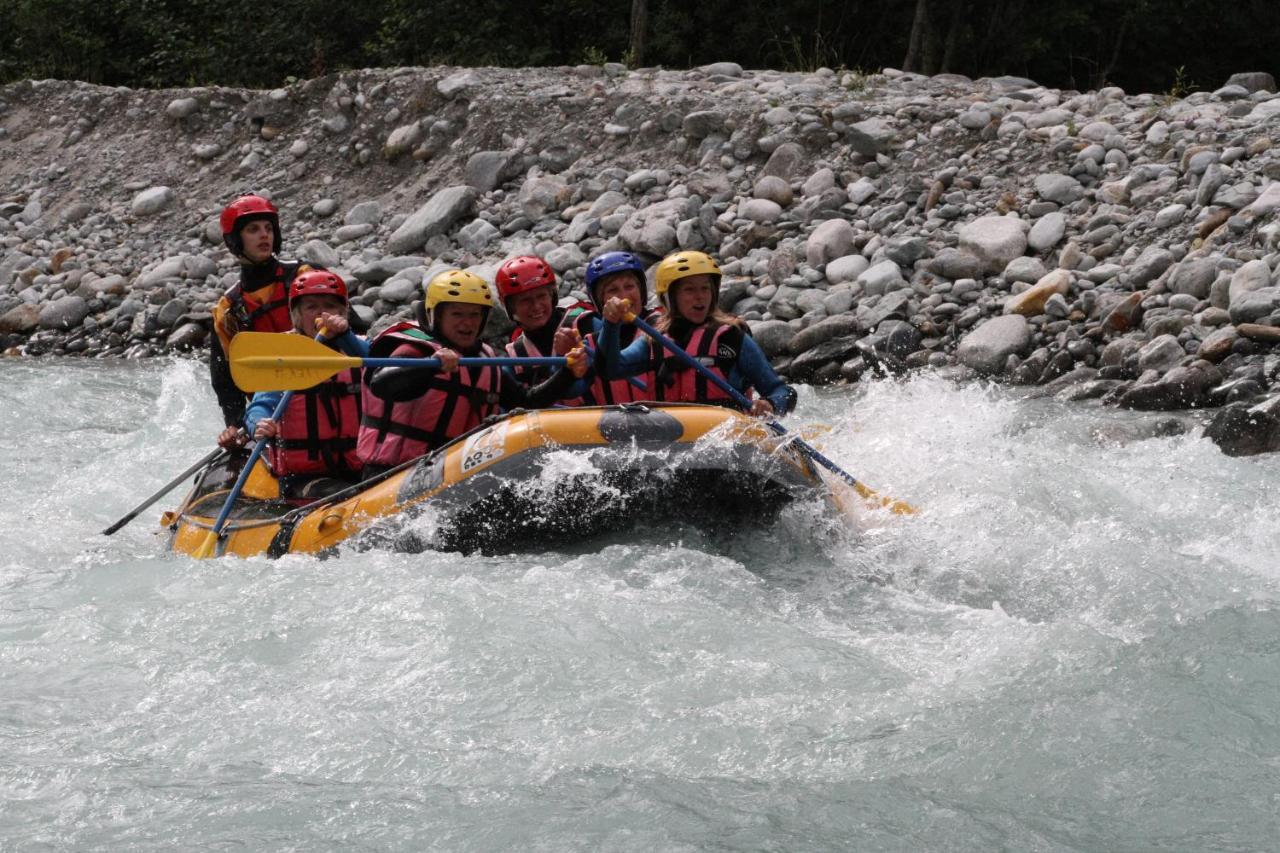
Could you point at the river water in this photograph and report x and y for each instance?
(1076, 646)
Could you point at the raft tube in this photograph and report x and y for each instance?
(531, 479)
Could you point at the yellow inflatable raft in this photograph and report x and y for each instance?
(531, 479)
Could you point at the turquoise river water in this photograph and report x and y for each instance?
(1076, 646)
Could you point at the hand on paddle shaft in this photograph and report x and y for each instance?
(618, 310)
(269, 361)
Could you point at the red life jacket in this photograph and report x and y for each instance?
(271, 315)
(522, 346)
(391, 433)
(612, 392)
(318, 429)
(716, 348)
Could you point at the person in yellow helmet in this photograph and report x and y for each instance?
(409, 411)
(688, 285)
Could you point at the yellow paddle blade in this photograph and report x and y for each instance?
(207, 547)
(894, 505)
(274, 361)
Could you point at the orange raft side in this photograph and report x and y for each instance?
(475, 464)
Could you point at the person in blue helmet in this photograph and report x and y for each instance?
(615, 275)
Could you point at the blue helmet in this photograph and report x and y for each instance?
(615, 262)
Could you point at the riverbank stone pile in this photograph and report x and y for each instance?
(1101, 246)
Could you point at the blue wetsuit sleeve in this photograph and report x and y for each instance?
(261, 406)
(616, 363)
(753, 369)
(352, 344)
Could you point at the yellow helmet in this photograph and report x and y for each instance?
(672, 268)
(458, 286)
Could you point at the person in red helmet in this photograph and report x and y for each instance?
(527, 287)
(258, 302)
(313, 452)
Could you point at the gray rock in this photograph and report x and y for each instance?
(760, 210)
(64, 313)
(1025, 269)
(364, 213)
(1193, 276)
(1252, 306)
(956, 264)
(1254, 275)
(821, 332)
(347, 233)
(702, 124)
(784, 162)
(1161, 354)
(151, 201)
(1241, 430)
(460, 84)
(398, 290)
(872, 136)
(1047, 232)
(543, 194)
(1060, 189)
(652, 230)
(180, 108)
(1253, 81)
(188, 336)
(1180, 388)
(325, 207)
(477, 234)
(1149, 266)
(384, 268)
(319, 253)
(994, 240)
(403, 140)
(881, 278)
(487, 170)
(774, 189)
(832, 239)
(895, 305)
(846, 268)
(437, 216)
(987, 348)
(171, 313)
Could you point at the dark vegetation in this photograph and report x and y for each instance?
(1141, 45)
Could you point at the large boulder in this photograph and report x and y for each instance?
(437, 216)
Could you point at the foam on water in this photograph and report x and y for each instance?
(1073, 647)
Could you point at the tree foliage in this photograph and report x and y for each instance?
(1141, 45)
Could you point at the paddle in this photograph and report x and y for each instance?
(210, 543)
(868, 493)
(164, 490)
(269, 361)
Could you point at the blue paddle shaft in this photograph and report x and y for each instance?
(740, 398)
(248, 467)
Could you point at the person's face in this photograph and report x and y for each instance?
(258, 238)
(694, 298)
(623, 285)
(532, 310)
(310, 307)
(459, 323)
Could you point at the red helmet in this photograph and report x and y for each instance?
(242, 211)
(523, 274)
(317, 283)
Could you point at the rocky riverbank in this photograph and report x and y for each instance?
(1100, 245)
